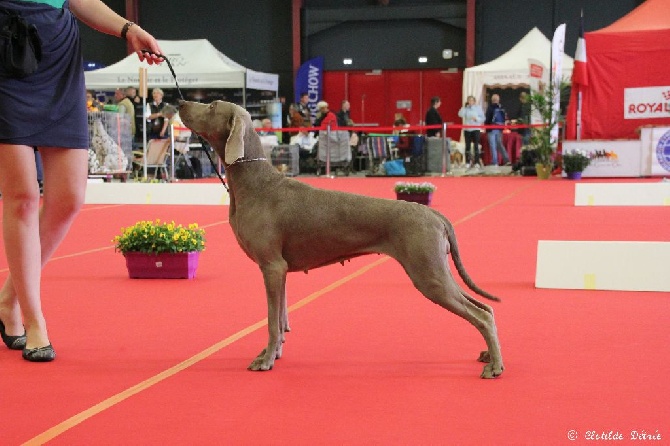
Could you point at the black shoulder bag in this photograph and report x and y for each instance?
(20, 46)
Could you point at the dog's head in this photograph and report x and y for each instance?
(223, 124)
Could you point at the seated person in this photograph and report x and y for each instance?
(266, 125)
(171, 115)
(305, 140)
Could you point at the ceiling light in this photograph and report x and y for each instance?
(423, 59)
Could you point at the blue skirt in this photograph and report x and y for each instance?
(48, 107)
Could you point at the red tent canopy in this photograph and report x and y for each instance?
(624, 61)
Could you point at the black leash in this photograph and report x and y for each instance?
(204, 143)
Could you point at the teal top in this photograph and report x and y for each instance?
(54, 3)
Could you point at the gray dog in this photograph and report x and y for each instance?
(284, 225)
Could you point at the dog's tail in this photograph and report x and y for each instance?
(451, 236)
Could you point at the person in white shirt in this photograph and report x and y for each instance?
(305, 140)
(472, 114)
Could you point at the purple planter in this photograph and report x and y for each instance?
(574, 175)
(180, 265)
(424, 198)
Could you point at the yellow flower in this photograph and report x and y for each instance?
(157, 237)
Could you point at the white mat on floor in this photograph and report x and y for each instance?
(603, 265)
(622, 194)
(156, 193)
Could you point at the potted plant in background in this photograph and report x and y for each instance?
(416, 192)
(574, 163)
(161, 250)
(541, 139)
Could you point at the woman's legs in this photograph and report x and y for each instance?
(476, 136)
(32, 235)
(467, 136)
(20, 196)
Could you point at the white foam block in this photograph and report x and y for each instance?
(156, 193)
(622, 194)
(603, 265)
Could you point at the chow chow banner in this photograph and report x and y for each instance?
(309, 79)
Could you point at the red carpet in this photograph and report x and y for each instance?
(369, 360)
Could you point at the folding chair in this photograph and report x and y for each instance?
(157, 153)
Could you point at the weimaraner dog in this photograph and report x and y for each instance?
(284, 226)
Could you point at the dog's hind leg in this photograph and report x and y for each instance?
(484, 356)
(284, 311)
(436, 282)
(274, 276)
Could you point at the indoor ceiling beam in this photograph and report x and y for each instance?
(319, 19)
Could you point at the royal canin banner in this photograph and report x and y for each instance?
(647, 102)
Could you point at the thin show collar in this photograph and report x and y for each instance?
(246, 160)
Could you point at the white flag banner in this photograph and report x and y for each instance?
(557, 50)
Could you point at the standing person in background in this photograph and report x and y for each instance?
(302, 108)
(155, 119)
(324, 116)
(46, 110)
(433, 117)
(343, 116)
(126, 107)
(495, 115)
(131, 93)
(472, 114)
(294, 119)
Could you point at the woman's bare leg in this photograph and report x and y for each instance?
(32, 236)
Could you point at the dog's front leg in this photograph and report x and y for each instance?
(274, 276)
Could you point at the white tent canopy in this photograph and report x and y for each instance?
(512, 68)
(197, 64)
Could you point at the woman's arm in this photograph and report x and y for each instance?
(100, 17)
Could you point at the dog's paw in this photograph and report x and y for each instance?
(484, 356)
(492, 370)
(263, 362)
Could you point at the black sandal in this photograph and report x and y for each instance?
(12, 342)
(39, 354)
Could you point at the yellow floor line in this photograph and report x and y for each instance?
(119, 397)
(75, 420)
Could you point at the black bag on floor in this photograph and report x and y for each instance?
(20, 45)
(185, 172)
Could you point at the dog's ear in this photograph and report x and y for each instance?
(235, 143)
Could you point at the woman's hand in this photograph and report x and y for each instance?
(144, 45)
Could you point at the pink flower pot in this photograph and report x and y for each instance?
(179, 265)
(423, 198)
